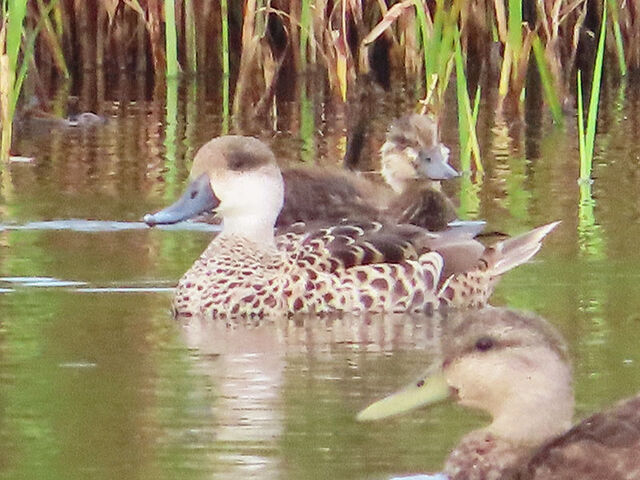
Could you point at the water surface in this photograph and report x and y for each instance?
(96, 379)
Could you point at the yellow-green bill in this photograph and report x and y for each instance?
(430, 388)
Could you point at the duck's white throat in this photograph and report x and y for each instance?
(250, 204)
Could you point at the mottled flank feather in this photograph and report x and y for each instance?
(346, 268)
(367, 266)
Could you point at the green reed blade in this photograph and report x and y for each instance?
(224, 15)
(547, 81)
(514, 28)
(422, 23)
(14, 13)
(305, 28)
(28, 49)
(466, 117)
(17, 11)
(581, 141)
(617, 34)
(592, 116)
(171, 39)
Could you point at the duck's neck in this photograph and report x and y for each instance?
(252, 215)
(255, 228)
(540, 408)
(395, 168)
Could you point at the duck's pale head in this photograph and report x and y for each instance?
(412, 150)
(238, 178)
(510, 364)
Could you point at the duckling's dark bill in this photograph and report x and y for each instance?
(434, 164)
(198, 198)
(430, 388)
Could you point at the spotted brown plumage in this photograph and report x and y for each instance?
(515, 366)
(353, 266)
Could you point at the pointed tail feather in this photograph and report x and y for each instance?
(515, 251)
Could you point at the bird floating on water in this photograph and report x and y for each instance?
(248, 270)
(515, 366)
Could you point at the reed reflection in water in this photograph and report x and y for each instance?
(96, 379)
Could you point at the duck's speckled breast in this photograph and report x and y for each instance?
(235, 277)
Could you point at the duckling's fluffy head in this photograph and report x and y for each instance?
(412, 150)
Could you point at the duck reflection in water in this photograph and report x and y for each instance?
(515, 366)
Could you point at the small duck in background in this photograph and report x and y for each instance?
(413, 163)
(36, 116)
(357, 266)
(515, 366)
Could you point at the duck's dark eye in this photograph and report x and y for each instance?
(427, 159)
(483, 344)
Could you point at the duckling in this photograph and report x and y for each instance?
(249, 271)
(515, 366)
(413, 163)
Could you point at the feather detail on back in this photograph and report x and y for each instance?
(348, 267)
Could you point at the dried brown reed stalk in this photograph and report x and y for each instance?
(335, 39)
(559, 24)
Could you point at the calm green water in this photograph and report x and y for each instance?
(97, 381)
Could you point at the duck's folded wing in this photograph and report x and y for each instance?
(351, 244)
(605, 445)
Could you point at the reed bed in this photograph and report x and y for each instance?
(254, 49)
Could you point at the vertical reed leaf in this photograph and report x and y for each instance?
(305, 28)
(515, 28)
(190, 34)
(14, 13)
(615, 18)
(466, 116)
(422, 22)
(547, 81)
(588, 136)
(581, 133)
(171, 40)
(437, 47)
(224, 15)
